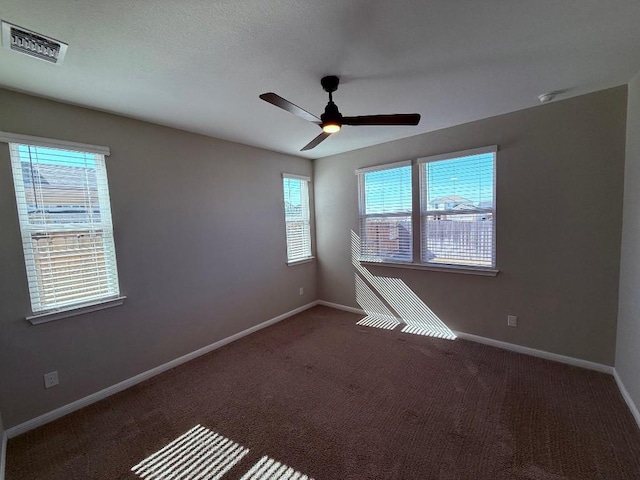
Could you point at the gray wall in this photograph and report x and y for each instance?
(200, 242)
(559, 203)
(628, 346)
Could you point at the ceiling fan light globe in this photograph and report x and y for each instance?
(331, 127)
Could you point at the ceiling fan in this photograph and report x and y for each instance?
(332, 120)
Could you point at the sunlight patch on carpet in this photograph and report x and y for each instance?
(376, 321)
(417, 330)
(270, 469)
(198, 454)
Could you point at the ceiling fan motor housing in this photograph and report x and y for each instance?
(331, 115)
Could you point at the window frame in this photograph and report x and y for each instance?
(306, 218)
(55, 312)
(417, 182)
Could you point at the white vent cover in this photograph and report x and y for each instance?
(33, 44)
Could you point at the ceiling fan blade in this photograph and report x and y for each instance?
(396, 119)
(315, 142)
(280, 102)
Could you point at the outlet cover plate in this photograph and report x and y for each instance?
(51, 379)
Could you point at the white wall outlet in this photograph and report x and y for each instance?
(301, 291)
(50, 379)
(512, 320)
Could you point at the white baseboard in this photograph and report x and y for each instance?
(338, 306)
(627, 398)
(3, 454)
(598, 367)
(504, 345)
(118, 387)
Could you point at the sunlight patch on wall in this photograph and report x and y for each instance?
(380, 297)
(270, 469)
(198, 454)
(378, 315)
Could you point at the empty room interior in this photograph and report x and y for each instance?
(320, 240)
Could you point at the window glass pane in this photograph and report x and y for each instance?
(293, 204)
(388, 191)
(60, 186)
(460, 184)
(387, 238)
(465, 239)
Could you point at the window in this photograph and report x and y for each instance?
(65, 221)
(385, 213)
(457, 209)
(456, 199)
(297, 218)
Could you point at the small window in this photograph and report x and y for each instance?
(65, 220)
(297, 218)
(385, 213)
(457, 198)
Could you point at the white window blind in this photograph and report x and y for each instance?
(457, 198)
(297, 217)
(65, 220)
(385, 213)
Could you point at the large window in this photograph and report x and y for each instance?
(385, 213)
(65, 220)
(297, 218)
(455, 222)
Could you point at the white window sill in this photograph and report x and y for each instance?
(487, 272)
(39, 318)
(301, 261)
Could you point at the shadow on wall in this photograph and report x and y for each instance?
(389, 302)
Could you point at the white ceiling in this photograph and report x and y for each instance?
(199, 65)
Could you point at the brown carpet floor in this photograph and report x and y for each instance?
(334, 400)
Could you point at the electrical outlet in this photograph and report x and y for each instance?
(512, 320)
(50, 379)
(301, 291)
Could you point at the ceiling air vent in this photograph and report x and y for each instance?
(33, 44)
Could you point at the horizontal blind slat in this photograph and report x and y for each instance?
(64, 281)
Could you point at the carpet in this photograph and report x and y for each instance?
(317, 396)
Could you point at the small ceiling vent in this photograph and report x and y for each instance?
(33, 44)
